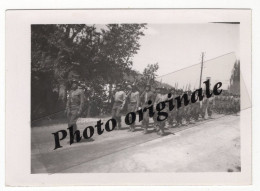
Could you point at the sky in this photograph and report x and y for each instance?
(177, 46)
(218, 70)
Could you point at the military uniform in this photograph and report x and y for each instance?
(119, 102)
(180, 111)
(133, 104)
(74, 106)
(145, 97)
(172, 114)
(160, 125)
(157, 91)
(188, 110)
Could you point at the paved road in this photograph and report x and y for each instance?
(211, 145)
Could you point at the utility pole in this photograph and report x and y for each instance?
(202, 58)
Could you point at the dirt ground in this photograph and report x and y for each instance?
(206, 146)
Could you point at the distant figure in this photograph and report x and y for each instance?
(75, 104)
(119, 102)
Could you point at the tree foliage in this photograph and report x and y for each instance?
(149, 74)
(97, 55)
(235, 78)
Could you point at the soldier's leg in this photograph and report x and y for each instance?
(161, 126)
(170, 119)
(133, 109)
(188, 115)
(114, 112)
(73, 117)
(118, 116)
(210, 110)
(145, 122)
(132, 126)
(181, 115)
(178, 117)
(154, 121)
(114, 116)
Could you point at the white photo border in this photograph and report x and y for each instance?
(18, 94)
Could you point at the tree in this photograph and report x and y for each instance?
(235, 78)
(149, 74)
(61, 53)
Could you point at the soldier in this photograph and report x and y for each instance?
(133, 103)
(180, 111)
(119, 102)
(161, 97)
(75, 104)
(195, 110)
(211, 105)
(187, 110)
(172, 114)
(157, 91)
(146, 96)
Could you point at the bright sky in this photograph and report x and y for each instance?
(176, 46)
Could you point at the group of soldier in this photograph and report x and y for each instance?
(133, 100)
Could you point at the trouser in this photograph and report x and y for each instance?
(172, 117)
(72, 120)
(131, 107)
(179, 115)
(146, 116)
(160, 125)
(187, 111)
(210, 107)
(116, 112)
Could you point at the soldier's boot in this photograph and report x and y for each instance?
(132, 128)
(162, 131)
(145, 130)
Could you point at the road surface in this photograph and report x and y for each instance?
(207, 146)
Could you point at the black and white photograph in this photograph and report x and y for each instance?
(133, 97)
(100, 98)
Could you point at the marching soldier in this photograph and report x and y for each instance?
(133, 103)
(161, 97)
(119, 102)
(211, 105)
(146, 96)
(172, 114)
(180, 111)
(157, 91)
(187, 110)
(75, 104)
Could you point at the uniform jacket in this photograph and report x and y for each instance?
(75, 100)
(146, 96)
